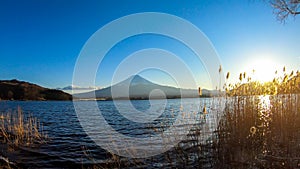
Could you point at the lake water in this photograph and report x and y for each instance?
(70, 147)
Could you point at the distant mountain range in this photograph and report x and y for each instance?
(20, 90)
(78, 88)
(140, 88)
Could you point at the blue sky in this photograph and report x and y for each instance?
(41, 40)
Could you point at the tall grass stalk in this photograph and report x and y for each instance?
(18, 129)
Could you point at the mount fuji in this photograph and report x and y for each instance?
(137, 87)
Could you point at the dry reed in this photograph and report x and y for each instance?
(18, 129)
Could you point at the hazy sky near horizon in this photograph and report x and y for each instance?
(41, 40)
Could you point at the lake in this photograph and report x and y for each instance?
(69, 146)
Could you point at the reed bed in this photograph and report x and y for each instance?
(18, 129)
(260, 127)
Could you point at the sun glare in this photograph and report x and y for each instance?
(263, 70)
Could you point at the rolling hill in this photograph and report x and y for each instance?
(20, 90)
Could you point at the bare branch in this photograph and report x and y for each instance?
(284, 8)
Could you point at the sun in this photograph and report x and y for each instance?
(263, 70)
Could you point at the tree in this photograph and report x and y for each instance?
(284, 8)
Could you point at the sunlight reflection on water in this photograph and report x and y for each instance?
(264, 108)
